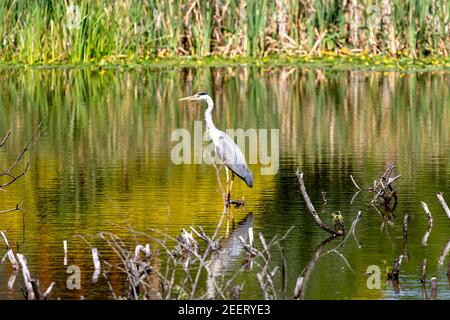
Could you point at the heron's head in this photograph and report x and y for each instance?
(196, 97)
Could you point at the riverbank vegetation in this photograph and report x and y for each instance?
(65, 32)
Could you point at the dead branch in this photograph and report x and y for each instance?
(9, 252)
(430, 224)
(28, 291)
(424, 270)
(311, 208)
(32, 290)
(354, 182)
(444, 205)
(444, 253)
(405, 236)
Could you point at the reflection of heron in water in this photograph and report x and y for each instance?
(225, 149)
(231, 250)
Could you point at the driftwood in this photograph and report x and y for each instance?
(444, 205)
(430, 224)
(311, 208)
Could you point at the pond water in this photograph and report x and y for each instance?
(103, 164)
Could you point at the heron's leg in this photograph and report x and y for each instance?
(228, 183)
(231, 186)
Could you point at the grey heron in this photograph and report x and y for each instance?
(226, 150)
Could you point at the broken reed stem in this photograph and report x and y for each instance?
(311, 208)
(443, 204)
(354, 182)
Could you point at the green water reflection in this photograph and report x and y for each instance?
(104, 164)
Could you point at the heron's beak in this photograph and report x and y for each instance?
(190, 98)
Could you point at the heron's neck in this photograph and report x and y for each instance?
(208, 117)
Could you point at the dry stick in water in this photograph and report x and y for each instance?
(10, 252)
(423, 279)
(97, 265)
(405, 235)
(311, 208)
(430, 224)
(28, 292)
(65, 252)
(354, 182)
(444, 254)
(31, 290)
(424, 270)
(443, 204)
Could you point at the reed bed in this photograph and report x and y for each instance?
(100, 31)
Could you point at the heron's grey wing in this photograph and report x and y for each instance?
(231, 156)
